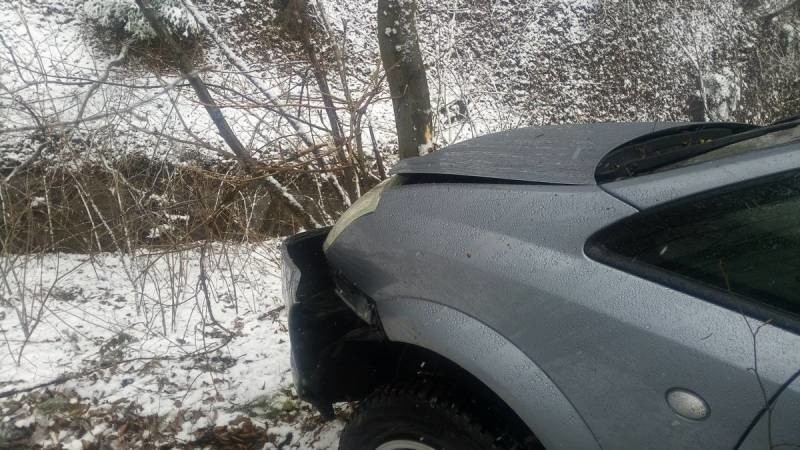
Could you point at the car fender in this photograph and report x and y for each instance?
(495, 361)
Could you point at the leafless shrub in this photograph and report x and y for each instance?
(88, 171)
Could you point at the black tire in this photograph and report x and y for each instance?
(419, 412)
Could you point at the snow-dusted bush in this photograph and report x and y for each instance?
(124, 16)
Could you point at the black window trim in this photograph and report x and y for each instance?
(596, 250)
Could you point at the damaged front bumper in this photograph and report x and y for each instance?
(323, 329)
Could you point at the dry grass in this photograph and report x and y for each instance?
(134, 201)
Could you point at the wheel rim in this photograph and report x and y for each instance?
(404, 444)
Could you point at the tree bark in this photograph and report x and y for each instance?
(405, 72)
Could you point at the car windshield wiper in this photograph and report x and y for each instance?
(638, 164)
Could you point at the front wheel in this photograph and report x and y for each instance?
(416, 416)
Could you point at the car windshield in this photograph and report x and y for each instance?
(684, 146)
(774, 138)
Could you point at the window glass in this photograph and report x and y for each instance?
(745, 241)
(780, 137)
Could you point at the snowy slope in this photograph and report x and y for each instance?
(138, 333)
(492, 66)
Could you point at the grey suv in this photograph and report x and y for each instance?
(578, 287)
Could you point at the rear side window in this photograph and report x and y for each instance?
(744, 241)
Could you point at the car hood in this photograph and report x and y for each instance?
(557, 154)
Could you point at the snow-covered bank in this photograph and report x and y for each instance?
(139, 335)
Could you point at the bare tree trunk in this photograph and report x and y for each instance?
(354, 115)
(405, 71)
(188, 71)
(320, 76)
(377, 153)
(300, 130)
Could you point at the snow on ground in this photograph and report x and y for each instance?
(139, 334)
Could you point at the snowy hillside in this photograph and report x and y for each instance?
(504, 64)
(125, 339)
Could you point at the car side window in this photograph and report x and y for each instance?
(745, 240)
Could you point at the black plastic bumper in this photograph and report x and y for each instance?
(321, 326)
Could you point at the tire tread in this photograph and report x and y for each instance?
(432, 393)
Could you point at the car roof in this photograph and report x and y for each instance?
(556, 154)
